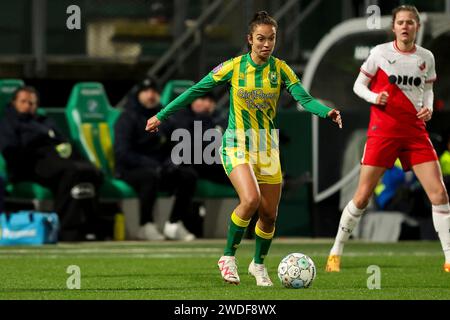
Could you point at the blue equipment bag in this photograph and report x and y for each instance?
(28, 227)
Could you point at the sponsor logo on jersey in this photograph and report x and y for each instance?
(255, 94)
(405, 80)
(391, 62)
(273, 77)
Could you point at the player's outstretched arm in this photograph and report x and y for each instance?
(197, 90)
(314, 106)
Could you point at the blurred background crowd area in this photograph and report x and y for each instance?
(120, 43)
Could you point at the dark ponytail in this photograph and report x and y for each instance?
(260, 17)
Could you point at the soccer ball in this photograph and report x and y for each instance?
(296, 270)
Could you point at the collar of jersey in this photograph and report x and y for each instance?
(414, 49)
(257, 66)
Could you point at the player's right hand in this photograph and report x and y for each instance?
(152, 124)
(382, 98)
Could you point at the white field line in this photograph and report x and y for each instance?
(180, 253)
(65, 251)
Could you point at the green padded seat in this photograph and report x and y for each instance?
(208, 189)
(115, 188)
(7, 88)
(173, 89)
(3, 173)
(28, 190)
(91, 122)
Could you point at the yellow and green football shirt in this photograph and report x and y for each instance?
(254, 93)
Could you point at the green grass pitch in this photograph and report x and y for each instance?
(178, 271)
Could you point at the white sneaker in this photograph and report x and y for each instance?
(177, 231)
(149, 232)
(228, 269)
(259, 271)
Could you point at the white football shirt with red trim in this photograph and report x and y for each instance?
(403, 76)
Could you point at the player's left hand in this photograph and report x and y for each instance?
(335, 115)
(425, 114)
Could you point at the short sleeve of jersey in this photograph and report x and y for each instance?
(288, 76)
(223, 72)
(431, 74)
(370, 66)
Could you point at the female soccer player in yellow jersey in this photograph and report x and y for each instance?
(249, 150)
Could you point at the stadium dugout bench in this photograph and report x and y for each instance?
(91, 120)
(88, 120)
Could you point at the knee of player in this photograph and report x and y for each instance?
(268, 219)
(251, 201)
(361, 201)
(439, 196)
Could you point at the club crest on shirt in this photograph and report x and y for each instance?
(273, 77)
(239, 154)
(422, 66)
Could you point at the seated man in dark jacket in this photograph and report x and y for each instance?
(35, 150)
(202, 116)
(143, 160)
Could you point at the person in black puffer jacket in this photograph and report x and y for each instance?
(143, 160)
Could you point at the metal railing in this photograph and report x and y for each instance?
(187, 43)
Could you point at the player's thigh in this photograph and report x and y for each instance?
(417, 151)
(430, 176)
(244, 182)
(369, 177)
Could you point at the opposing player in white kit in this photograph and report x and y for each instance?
(400, 75)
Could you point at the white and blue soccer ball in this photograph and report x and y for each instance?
(296, 270)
